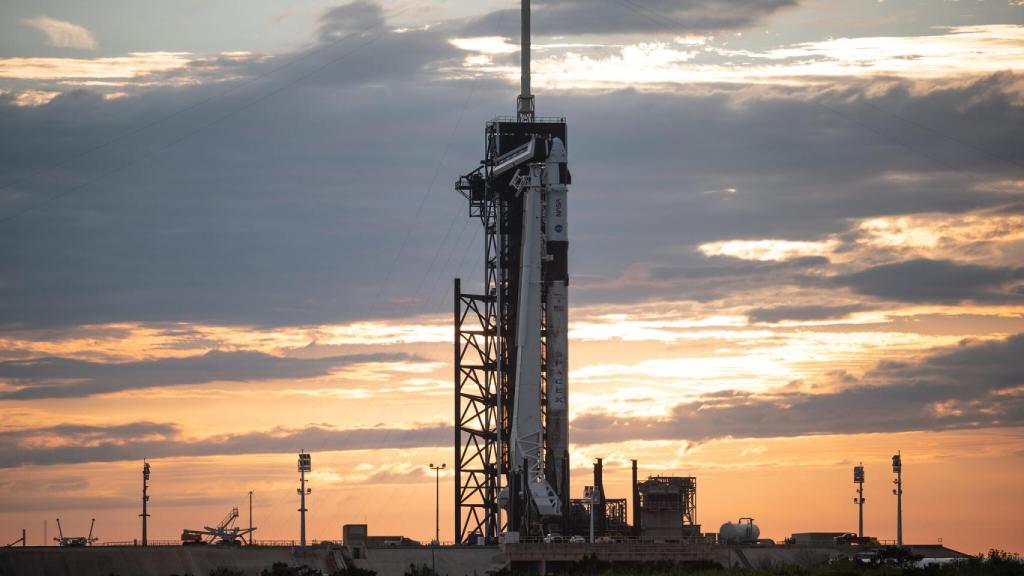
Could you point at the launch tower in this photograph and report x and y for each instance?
(511, 340)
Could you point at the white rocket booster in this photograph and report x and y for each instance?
(556, 177)
(544, 238)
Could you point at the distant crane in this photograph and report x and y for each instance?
(75, 540)
(223, 534)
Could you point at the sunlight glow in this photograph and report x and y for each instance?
(769, 250)
(950, 53)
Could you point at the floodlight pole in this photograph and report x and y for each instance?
(145, 500)
(305, 465)
(858, 479)
(897, 468)
(437, 500)
(302, 508)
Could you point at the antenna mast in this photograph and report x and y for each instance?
(524, 104)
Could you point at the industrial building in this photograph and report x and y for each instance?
(668, 508)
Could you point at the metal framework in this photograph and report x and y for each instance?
(485, 359)
(668, 507)
(224, 533)
(476, 413)
(511, 435)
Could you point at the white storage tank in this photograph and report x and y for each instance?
(739, 532)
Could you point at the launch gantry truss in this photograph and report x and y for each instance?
(485, 352)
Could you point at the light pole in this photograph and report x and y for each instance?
(858, 479)
(437, 501)
(145, 500)
(250, 516)
(897, 469)
(305, 465)
(437, 515)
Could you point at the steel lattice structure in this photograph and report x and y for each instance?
(485, 327)
(511, 343)
(479, 353)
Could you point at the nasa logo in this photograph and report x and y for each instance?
(558, 227)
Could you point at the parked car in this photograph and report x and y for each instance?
(604, 540)
(577, 539)
(554, 538)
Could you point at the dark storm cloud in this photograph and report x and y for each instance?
(28, 500)
(973, 385)
(138, 440)
(352, 18)
(56, 377)
(325, 193)
(554, 17)
(967, 387)
(703, 279)
(937, 281)
(779, 313)
(968, 370)
(723, 267)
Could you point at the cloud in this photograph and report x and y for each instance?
(939, 281)
(558, 17)
(352, 18)
(28, 97)
(680, 64)
(780, 313)
(77, 443)
(61, 33)
(769, 250)
(974, 385)
(390, 473)
(730, 267)
(56, 377)
(351, 244)
(135, 71)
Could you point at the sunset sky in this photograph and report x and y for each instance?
(228, 233)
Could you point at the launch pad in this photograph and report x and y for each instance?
(511, 339)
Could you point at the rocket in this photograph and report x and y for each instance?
(542, 463)
(556, 280)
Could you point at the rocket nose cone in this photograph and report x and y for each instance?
(557, 152)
